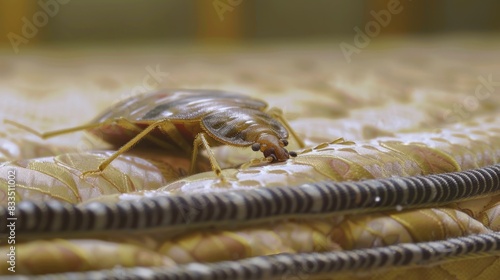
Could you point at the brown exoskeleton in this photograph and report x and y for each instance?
(185, 119)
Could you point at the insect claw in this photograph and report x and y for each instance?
(292, 153)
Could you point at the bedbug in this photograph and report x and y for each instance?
(186, 119)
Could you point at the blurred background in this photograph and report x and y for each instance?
(203, 21)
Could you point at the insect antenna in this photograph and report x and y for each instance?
(256, 162)
(50, 134)
(278, 114)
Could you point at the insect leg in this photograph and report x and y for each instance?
(125, 147)
(278, 114)
(171, 131)
(133, 127)
(50, 134)
(200, 139)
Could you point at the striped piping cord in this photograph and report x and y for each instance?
(243, 206)
(305, 265)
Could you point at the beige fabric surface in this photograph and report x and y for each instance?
(393, 90)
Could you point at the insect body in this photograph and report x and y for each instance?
(185, 119)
